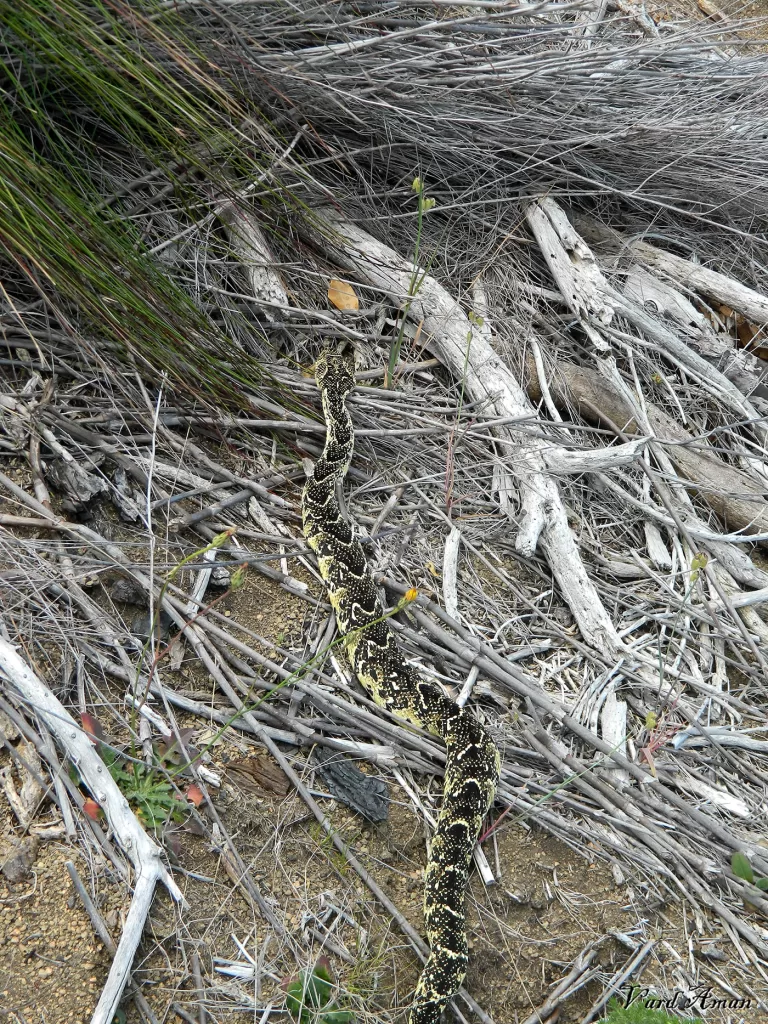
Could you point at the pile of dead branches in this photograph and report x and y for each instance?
(561, 430)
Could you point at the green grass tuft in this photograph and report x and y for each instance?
(88, 87)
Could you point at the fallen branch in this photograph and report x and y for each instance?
(255, 255)
(591, 297)
(752, 304)
(729, 492)
(143, 853)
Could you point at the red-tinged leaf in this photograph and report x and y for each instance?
(92, 809)
(194, 794)
(170, 749)
(92, 727)
(323, 965)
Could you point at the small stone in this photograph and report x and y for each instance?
(17, 857)
(129, 592)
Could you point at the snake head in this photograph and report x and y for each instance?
(335, 369)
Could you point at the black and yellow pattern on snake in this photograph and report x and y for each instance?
(472, 765)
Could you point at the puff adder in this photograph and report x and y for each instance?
(472, 763)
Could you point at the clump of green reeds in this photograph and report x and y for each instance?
(87, 87)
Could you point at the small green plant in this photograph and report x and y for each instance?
(638, 1013)
(146, 788)
(339, 862)
(308, 997)
(362, 978)
(148, 792)
(741, 867)
(426, 204)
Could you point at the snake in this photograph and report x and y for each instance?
(472, 758)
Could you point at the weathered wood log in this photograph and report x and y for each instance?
(731, 494)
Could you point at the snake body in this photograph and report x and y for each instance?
(472, 760)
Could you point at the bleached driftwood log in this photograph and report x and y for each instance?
(591, 297)
(733, 495)
(143, 853)
(746, 371)
(450, 572)
(255, 255)
(450, 334)
(752, 304)
(663, 290)
(613, 726)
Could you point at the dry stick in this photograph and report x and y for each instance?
(634, 962)
(555, 999)
(92, 828)
(702, 279)
(511, 797)
(93, 614)
(730, 492)
(580, 770)
(97, 920)
(711, 576)
(193, 634)
(408, 930)
(390, 503)
(624, 817)
(62, 798)
(269, 743)
(181, 1012)
(589, 295)
(143, 853)
(186, 447)
(102, 931)
(139, 905)
(197, 974)
(97, 442)
(174, 525)
(450, 571)
(186, 704)
(665, 847)
(468, 653)
(369, 714)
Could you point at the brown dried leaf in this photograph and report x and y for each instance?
(194, 794)
(342, 295)
(749, 337)
(92, 727)
(258, 774)
(711, 11)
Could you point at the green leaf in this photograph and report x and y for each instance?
(319, 988)
(312, 992)
(741, 867)
(762, 883)
(294, 999)
(334, 1016)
